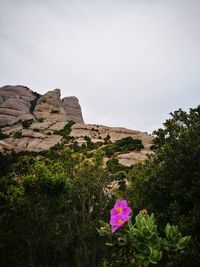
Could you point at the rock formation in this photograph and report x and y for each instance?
(15, 103)
(47, 114)
(97, 133)
(19, 102)
(49, 107)
(72, 108)
(42, 135)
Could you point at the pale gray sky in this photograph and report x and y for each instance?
(130, 62)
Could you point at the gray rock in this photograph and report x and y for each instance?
(73, 109)
(32, 134)
(19, 102)
(49, 107)
(15, 101)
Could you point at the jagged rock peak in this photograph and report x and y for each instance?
(20, 102)
(73, 109)
(49, 107)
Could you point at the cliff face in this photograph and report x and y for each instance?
(49, 107)
(19, 102)
(72, 108)
(15, 104)
(31, 122)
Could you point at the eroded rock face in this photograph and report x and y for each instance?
(97, 133)
(43, 135)
(19, 102)
(15, 103)
(94, 131)
(40, 136)
(49, 107)
(73, 109)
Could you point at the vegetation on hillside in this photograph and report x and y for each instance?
(168, 183)
(65, 132)
(51, 202)
(123, 145)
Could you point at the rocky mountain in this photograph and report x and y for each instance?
(21, 103)
(34, 122)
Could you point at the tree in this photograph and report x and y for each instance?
(50, 208)
(168, 183)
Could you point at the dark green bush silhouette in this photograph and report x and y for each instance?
(126, 144)
(26, 123)
(17, 135)
(168, 183)
(65, 132)
(2, 135)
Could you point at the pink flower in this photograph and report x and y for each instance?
(119, 214)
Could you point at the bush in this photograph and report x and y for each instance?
(168, 182)
(50, 210)
(107, 140)
(140, 244)
(26, 123)
(123, 145)
(114, 166)
(17, 135)
(65, 132)
(2, 135)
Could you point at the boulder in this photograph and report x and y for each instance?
(128, 159)
(15, 101)
(32, 134)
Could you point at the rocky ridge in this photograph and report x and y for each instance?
(35, 121)
(21, 103)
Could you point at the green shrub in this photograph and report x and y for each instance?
(26, 123)
(107, 140)
(49, 211)
(126, 144)
(17, 135)
(65, 132)
(168, 183)
(141, 245)
(2, 135)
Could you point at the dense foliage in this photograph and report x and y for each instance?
(139, 244)
(51, 202)
(124, 145)
(50, 210)
(168, 183)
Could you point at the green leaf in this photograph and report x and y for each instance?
(156, 256)
(183, 242)
(109, 244)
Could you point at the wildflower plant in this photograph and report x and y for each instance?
(120, 214)
(139, 244)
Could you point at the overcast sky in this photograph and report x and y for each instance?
(130, 62)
